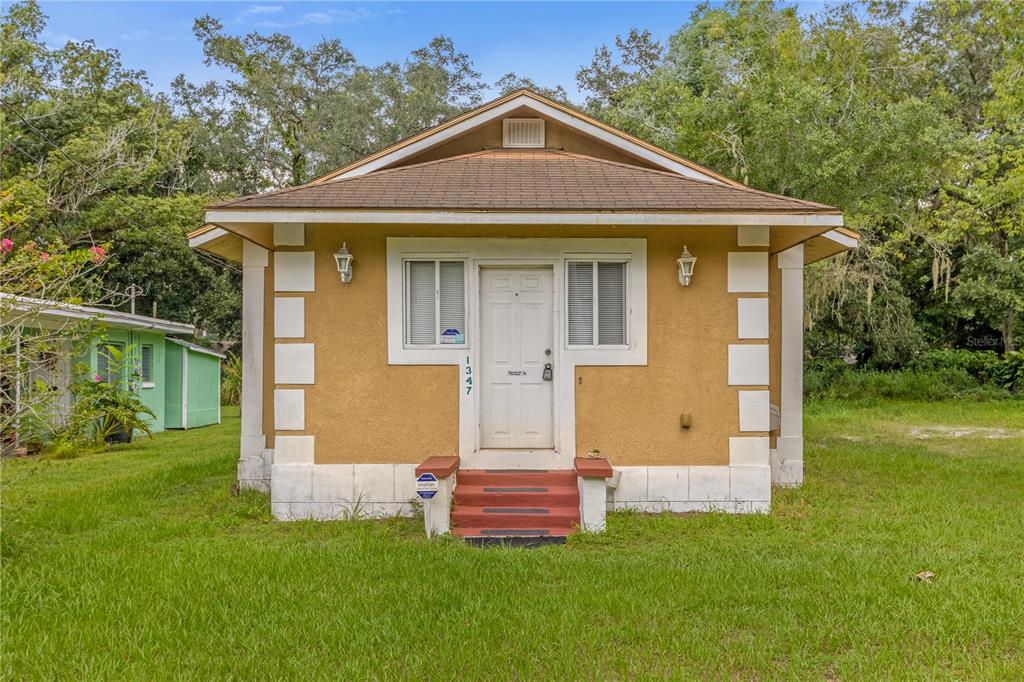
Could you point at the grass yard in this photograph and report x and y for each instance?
(140, 564)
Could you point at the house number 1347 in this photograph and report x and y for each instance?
(469, 377)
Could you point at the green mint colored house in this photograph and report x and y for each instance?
(179, 381)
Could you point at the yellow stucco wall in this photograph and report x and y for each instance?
(361, 410)
(632, 414)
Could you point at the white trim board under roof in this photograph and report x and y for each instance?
(821, 246)
(269, 216)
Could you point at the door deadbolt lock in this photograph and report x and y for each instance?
(547, 371)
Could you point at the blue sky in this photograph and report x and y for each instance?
(545, 41)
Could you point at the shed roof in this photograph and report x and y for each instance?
(58, 312)
(198, 349)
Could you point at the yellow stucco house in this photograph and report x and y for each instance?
(552, 317)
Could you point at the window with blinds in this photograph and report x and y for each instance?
(146, 364)
(435, 303)
(596, 306)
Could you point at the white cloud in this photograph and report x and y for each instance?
(56, 41)
(315, 18)
(262, 9)
(329, 17)
(136, 35)
(351, 16)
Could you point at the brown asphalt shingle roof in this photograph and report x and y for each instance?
(524, 180)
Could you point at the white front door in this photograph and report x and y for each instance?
(516, 345)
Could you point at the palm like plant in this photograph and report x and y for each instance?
(109, 413)
(106, 412)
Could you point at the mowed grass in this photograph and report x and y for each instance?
(141, 564)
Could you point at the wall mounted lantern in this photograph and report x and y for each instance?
(344, 260)
(686, 261)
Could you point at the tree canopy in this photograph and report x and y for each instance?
(908, 118)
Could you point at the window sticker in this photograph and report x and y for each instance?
(452, 336)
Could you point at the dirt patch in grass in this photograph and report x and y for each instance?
(940, 431)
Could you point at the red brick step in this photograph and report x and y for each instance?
(516, 477)
(515, 504)
(515, 517)
(506, 533)
(508, 496)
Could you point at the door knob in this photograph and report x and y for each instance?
(547, 371)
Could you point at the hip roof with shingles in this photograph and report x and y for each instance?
(524, 180)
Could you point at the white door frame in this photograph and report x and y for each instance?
(533, 458)
(485, 251)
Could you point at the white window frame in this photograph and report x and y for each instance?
(437, 259)
(595, 260)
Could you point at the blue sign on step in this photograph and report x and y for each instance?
(427, 485)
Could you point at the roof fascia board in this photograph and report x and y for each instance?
(198, 349)
(826, 245)
(115, 319)
(432, 140)
(842, 239)
(615, 140)
(226, 217)
(563, 117)
(206, 236)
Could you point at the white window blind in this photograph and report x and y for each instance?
(435, 302)
(421, 310)
(146, 363)
(581, 303)
(452, 296)
(611, 304)
(597, 303)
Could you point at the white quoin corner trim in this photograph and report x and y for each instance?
(253, 464)
(289, 234)
(788, 457)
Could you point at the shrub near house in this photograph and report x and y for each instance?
(934, 375)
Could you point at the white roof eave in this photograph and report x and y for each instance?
(53, 310)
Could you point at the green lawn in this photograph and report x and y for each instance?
(140, 564)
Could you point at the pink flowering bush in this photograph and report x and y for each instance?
(56, 273)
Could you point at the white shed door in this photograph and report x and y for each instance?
(516, 344)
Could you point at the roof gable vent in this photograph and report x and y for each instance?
(523, 132)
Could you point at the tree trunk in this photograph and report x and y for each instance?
(1008, 344)
(298, 168)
